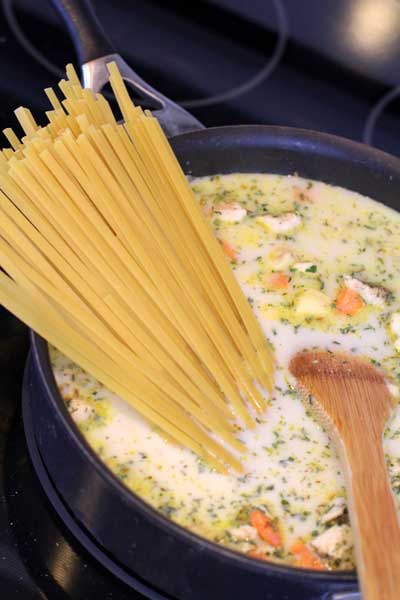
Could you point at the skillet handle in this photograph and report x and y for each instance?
(95, 51)
(88, 36)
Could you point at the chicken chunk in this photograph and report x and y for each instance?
(281, 257)
(231, 212)
(334, 542)
(245, 533)
(394, 390)
(335, 510)
(79, 409)
(280, 224)
(375, 295)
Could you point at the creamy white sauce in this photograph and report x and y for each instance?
(291, 469)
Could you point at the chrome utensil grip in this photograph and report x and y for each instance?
(88, 36)
(174, 119)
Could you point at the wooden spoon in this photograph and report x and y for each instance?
(352, 402)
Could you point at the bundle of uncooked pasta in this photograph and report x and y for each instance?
(108, 257)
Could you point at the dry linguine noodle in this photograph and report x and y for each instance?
(108, 257)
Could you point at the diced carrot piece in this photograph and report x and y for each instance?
(348, 301)
(229, 250)
(259, 520)
(257, 554)
(272, 537)
(264, 528)
(309, 561)
(305, 558)
(277, 281)
(297, 547)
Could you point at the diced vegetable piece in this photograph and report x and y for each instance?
(257, 554)
(313, 303)
(229, 250)
(263, 524)
(395, 329)
(277, 281)
(272, 537)
(305, 558)
(348, 301)
(259, 520)
(298, 547)
(395, 324)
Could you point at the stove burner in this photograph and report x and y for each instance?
(231, 94)
(377, 112)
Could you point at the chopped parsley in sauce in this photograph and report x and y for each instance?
(320, 267)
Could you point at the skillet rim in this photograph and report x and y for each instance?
(283, 137)
(280, 137)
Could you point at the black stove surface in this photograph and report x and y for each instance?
(39, 558)
(331, 66)
(42, 559)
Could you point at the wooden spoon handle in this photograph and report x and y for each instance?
(373, 516)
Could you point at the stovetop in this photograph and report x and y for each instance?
(331, 66)
(39, 558)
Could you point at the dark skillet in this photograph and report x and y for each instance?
(132, 533)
